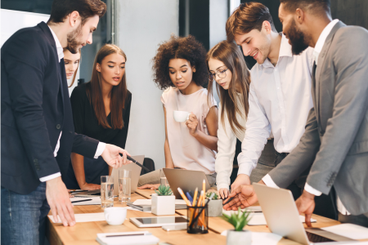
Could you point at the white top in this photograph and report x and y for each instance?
(279, 101)
(186, 151)
(226, 146)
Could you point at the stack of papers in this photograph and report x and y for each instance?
(89, 217)
(349, 230)
(121, 238)
(145, 204)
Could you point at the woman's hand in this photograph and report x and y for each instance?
(224, 193)
(149, 186)
(192, 124)
(89, 186)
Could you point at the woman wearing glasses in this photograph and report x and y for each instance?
(227, 67)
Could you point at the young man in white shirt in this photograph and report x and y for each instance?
(280, 93)
(335, 140)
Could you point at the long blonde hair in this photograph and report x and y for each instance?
(232, 57)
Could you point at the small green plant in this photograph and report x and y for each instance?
(215, 196)
(238, 220)
(164, 190)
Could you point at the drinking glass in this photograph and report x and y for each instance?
(124, 185)
(107, 191)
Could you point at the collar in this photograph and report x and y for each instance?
(59, 48)
(285, 51)
(322, 39)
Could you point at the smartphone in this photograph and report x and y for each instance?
(174, 227)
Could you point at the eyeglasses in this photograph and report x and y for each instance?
(221, 74)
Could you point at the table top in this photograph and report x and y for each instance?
(86, 232)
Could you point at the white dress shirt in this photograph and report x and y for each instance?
(226, 146)
(279, 102)
(317, 50)
(101, 146)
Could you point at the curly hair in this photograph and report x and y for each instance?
(187, 48)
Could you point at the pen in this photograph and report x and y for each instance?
(83, 200)
(189, 197)
(184, 197)
(131, 159)
(231, 198)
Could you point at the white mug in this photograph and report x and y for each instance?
(181, 116)
(115, 215)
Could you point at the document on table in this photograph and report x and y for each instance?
(261, 238)
(121, 238)
(349, 230)
(259, 219)
(90, 217)
(92, 200)
(149, 202)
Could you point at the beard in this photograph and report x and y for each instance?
(73, 43)
(297, 40)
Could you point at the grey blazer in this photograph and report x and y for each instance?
(335, 142)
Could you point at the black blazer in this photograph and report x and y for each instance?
(35, 108)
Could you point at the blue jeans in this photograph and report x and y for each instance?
(23, 217)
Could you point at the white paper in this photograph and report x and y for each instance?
(349, 230)
(90, 217)
(262, 238)
(148, 202)
(148, 238)
(259, 219)
(96, 200)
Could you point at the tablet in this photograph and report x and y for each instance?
(158, 221)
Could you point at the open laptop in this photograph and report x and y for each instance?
(135, 172)
(282, 218)
(187, 180)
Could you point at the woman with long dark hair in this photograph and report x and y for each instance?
(101, 110)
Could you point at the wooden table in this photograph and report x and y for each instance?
(86, 233)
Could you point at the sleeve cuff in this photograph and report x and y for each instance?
(50, 177)
(245, 168)
(269, 182)
(220, 186)
(100, 148)
(311, 190)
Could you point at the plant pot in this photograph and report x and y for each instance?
(215, 208)
(243, 237)
(163, 205)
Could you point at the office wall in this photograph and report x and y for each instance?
(141, 25)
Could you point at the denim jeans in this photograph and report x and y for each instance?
(23, 217)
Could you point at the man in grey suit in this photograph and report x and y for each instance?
(335, 142)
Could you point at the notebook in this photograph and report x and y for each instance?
(282, 218)
(187, 180)
(135, 172)
(131, 238)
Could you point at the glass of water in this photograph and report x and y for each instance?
(107, 191)
(124, 185)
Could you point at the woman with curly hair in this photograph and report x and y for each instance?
(180, 68)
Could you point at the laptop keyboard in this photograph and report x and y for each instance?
(317, 238)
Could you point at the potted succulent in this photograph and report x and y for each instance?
(163, 201)
(238, 235)
(215, 205)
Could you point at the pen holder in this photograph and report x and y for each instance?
(197, 221)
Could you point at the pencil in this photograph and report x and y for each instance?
(195, 196)
(184, 197)
(204, 187)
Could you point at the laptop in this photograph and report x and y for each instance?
(282, 218)
(187, 180)
(135, 172)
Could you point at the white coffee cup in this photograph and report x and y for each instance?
(181, 116)
(115, 215)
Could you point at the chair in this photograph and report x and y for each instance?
(148, 163)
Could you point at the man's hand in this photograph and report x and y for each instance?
(149, 186)
(89, 186)
(112, 157)
(306, 204)
(58, 198)
(241, 179)
(244, 196)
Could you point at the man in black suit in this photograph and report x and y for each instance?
(36, 121)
